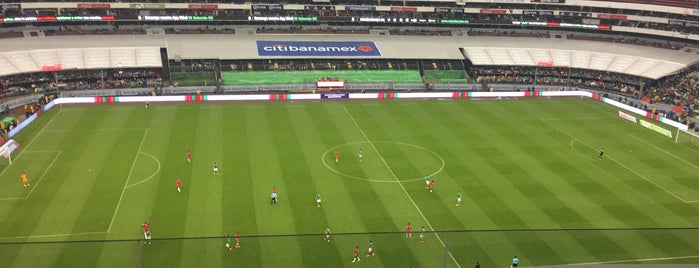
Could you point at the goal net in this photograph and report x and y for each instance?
(687, 137)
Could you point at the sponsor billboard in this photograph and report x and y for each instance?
(311, 48)
(449, 9)
(549, 1)
(202, 6)
(94, 6)
(655, 128)
(147, 6)
(493, 11)
(366, 8)
(611, 16)
(404, 9)
(334, 96)
(627, 116)
(267, 7)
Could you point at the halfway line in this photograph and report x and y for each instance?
(400, 184)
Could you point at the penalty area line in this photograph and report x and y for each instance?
(123, 189)
(401, 185)
(42, 175)
(48, 236)
(620, 164)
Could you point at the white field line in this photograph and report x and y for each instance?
(620, 164)
(32, 140)
(152, 175)
(47, 236)
(123, 189)
(92, 129)
(42, 175)
(637, 260)
(664, 151)
(400, 184)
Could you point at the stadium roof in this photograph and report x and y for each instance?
(641, 61)
(29, 61)
(631, 59)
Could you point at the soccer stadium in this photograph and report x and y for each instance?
(346, 133)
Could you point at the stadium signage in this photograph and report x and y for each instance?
(256, 18)
(675, 22)
(334, 96)
(319, 7)
(404, 9)
(309, 48)
(202, 6)
(330, 83)
(147, 6)
(549, 1)
(366, 8)
(627, 116)
(494, 11)
(574, 14)
(611, 16)
(566, 25)
(449, 9)
(94, 6)
(163, 18)
(537, 12)
(268, 7)
(655, 128)
(7, 6)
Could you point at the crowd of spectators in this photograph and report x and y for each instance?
(614, 82)
(681, 89)
(84, 79)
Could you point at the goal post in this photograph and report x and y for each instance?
(687, 137)
(8, 148)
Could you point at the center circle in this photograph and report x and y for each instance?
(383, 161)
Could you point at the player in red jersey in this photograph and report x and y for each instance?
(189, 156)
(356, 254)
(431, 185)
(409, 231)
(146, 231)
(337, 156)
(179, 184)
(237, 240)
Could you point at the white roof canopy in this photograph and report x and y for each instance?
(640, 61)
(27, 61)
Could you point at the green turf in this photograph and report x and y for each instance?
(445, 76)
(185, 79)
(302, 77)
(528, 169)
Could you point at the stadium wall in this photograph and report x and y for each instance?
(341, 96)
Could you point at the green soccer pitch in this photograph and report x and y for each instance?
(528, 169)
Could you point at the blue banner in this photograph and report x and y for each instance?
(308, 48)
(334, 96)
(367, 8)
